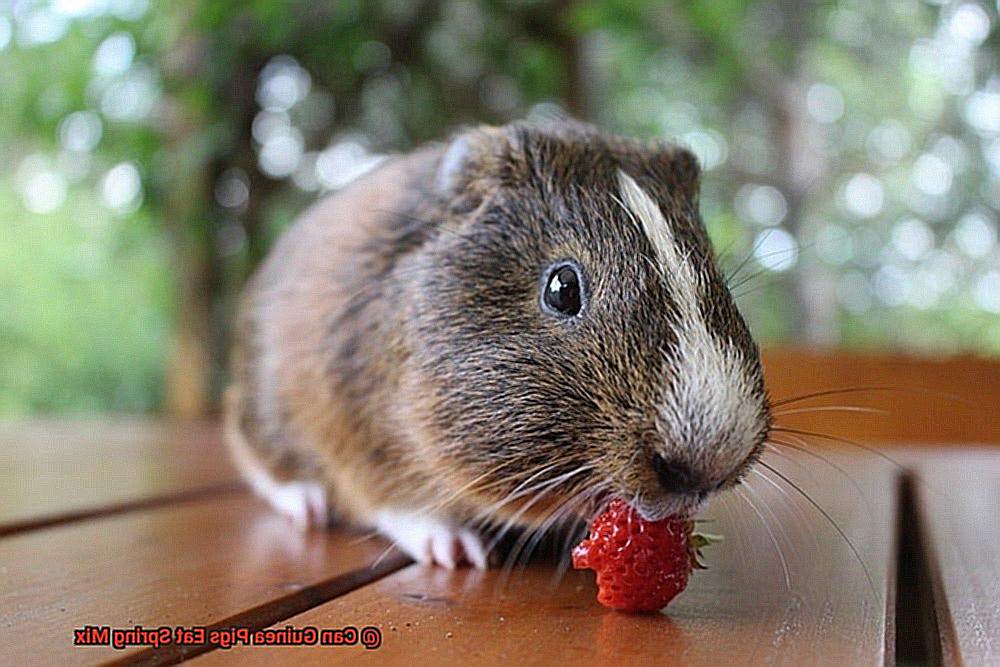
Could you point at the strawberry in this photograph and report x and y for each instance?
(641, 565)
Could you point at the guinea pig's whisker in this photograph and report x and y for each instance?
(770, 446)
(557, 516)
(770, 534)
(735, 271)
(540, 490)
(522, 489)
(788, 501)
(560, 520)
(748, 278)
(831, 521)
(525, 482)
(528, 541)
(830, 392)
(514, 520)
(722, 255)
(832, 408)
(870, 388)
(526, 537)
(765, 269)
(365, 537)
(746, 260)
(754, 290)
(805, 450)
(782, 536)
(457, 494)
(834, 438)
(736, 519)
(585, 497)
(381, 557)
(909, 471)
(775, 253)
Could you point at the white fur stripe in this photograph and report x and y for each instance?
(679, 272)
(711, 413)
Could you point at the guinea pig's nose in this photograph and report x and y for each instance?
(678, 477)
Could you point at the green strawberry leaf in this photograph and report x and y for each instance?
(696, 542)
(700, 540)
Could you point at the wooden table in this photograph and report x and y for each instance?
(139, 524)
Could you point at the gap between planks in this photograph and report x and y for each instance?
(273, 612)
(98, 512)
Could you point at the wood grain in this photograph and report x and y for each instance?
(933, 400)
(221, 561)
(741, 610)
(958, 501)
(57, 471)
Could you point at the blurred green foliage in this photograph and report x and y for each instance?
(155, 150)
(86, 308)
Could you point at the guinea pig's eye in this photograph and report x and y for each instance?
(562, 293)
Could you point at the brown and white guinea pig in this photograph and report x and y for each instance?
(507, 329)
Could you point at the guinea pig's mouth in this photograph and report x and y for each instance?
(653, 509)
(656, 509)
(668, 501)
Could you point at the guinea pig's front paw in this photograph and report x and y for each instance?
(431, 541)
(305, 503)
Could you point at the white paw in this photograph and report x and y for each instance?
(305, 503)
(430, 541)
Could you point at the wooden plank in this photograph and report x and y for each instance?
(937, 399)
(742, 610)
(957, 498)
(226, 560)
(57, 471)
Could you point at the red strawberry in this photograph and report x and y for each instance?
(641, 565)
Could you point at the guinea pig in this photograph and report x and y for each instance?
(510, 328)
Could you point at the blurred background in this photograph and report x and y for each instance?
(154, 150)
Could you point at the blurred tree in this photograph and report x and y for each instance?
(851, 154)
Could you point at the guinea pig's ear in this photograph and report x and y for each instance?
(675, 168)
(469, 165)
(665, 170)
(454, 164)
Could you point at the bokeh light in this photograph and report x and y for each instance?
(121, 188)
(776, 250)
